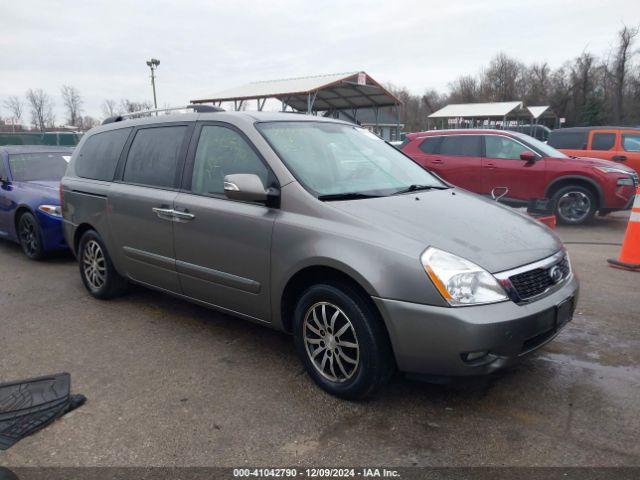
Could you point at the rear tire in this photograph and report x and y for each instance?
(342, 341)
(30, 236)
(98, 274)
(574, 205)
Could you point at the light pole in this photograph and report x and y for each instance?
(153, 64)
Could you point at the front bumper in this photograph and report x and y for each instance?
(432, 340)
(51, 228)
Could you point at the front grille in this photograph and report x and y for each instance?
(534, 282)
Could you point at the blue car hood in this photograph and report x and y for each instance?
(49, 184)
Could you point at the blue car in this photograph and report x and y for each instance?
(30, 199)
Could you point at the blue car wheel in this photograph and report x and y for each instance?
(30, 236)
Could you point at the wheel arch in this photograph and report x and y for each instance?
(578, 180)
(21, 210)
(309, 275)
(81, 229)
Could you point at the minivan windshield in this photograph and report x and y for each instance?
(38, 166)
(338, 161)
(543, 148)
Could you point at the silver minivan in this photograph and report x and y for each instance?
(318, 228)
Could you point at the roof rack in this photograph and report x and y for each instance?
(143, 113)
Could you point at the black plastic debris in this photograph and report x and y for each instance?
(6, 474)
(27, 406)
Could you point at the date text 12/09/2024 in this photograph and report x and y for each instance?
(315, 473)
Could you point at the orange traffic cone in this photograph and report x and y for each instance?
(630, 254)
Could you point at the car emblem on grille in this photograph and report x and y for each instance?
(556, 274)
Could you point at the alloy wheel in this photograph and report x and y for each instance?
(331, 342)
(94, 264)
(574, 206)
(28, 232)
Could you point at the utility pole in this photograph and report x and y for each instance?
(153, 64)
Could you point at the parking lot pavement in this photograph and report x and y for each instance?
(170, 383)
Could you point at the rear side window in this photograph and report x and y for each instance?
(603, 141)
(631, 142)
(153, 156)
(100, 153)
(430, 145)
(461, 145)
(568, 140)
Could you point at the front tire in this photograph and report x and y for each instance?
(341, 341)
(98, 274)
(574, 205)
(30, 236)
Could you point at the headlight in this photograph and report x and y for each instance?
(613, 170)
(625, 181)
(53, 210)
(460, 281)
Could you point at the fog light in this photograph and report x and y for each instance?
(473, 356)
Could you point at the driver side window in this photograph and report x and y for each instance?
(222, 151)
(500, 146)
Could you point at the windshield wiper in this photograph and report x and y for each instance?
(346, 196)
(417, 187)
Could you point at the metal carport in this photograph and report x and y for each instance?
(328, 94)
(478, 114)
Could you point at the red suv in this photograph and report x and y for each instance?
(520, 169)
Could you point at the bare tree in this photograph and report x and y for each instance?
(73, 103)
(41, 108)
(620, 68)
(536, 84)
(560, 91)
(14, 105)
(433, 101)
(129, 106)
(87, 122)
(502, 81)
(109, 108)
(464, 90)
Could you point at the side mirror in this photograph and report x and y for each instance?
(528, 156)
(245, 187)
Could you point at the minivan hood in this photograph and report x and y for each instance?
(489, 234)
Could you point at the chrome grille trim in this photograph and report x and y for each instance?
(505, 277)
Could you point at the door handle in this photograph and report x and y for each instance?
(490, 165)
(619, 158)
(183, 215)
(164, 213)
(437, 161)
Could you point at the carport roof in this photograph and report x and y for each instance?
(538, 111)
(338, 91)
(478, 110)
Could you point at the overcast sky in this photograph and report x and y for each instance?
(101, 47)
